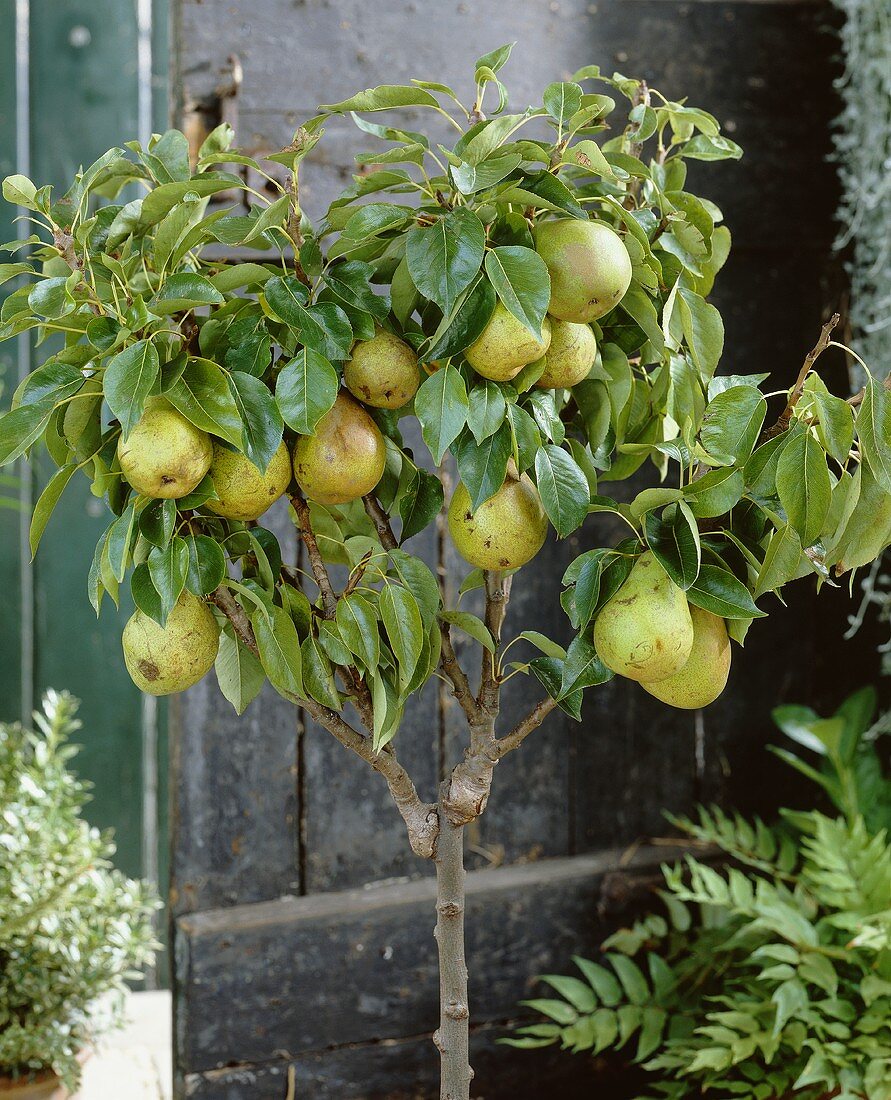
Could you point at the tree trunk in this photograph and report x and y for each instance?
(453, 1035)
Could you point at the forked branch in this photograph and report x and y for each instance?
(785, 417)
(317, 564)
(421, 819)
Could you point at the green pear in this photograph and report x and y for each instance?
(164, 456)
(169, 658)
(505, 532)
(383, 371)
(704, 676)
(505, 346)
(645, 631)
(242, 491)
(344, 459)
(570, 357)
(589, 266)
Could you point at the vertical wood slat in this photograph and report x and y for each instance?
(77, 95)
(10, 521)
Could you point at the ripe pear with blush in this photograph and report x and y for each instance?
(505, 346)
(344, 458)
(645, 631)
(704, 676)
(505, 531)
(589, 266)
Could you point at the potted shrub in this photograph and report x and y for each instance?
(72, 929)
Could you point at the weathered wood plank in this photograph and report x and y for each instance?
(407, 1070)
(303, 974)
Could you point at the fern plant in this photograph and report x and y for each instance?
(767, 976)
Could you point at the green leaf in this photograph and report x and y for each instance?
(235, 276)
(562, 100)
(162, 199)
(145, 595)
(384, 97)
(402, 621)
(715, 493)
(547, 646)
(317, 674)
(20, 428)
(780, 562)
(461, 328)
(351, 282)
(835, 424)
(46, 502)
(674, 540)
(706, 147)
(120, 540)
(582, 668)
(588, 154)
(51, 298)
(549, 672)
(207, 565)
(358, 625)
(418, 579)
(203, 396)
(444, 257)
(703, 330)
(719, 591)
(804, 486)
(874, 431)
(472, 625)
(239, 673)
(441, 406)
(732, 423)
(420, 503)
(20, 191)
(633, 981)
(262, 431)
(306, 388)
(563, 488)
(483, 466)
(486, 411)
(168, 568)
(324, 328)
(184, 291)
(521, 280)
(470, 178)
(279, 647)
(129, 378)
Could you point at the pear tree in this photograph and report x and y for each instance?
(523, 293)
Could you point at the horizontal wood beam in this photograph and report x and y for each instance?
(359, 966)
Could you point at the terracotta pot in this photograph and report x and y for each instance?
(45, 1086)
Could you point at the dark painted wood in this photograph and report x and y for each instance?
(407, 1070)
(359, 966)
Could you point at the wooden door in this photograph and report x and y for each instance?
(76, 77)
(287, 962)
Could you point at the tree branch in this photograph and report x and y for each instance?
(421, 818)
(381, 521)
(785, 417)
(497, 598)
(450, 667)
(63, 240)
(304, 522)
(522, 729)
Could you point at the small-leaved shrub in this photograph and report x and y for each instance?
(72, 929)
(769, 975)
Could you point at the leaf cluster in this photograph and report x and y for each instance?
(72, 929)
(234, 308)
(767, 977)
